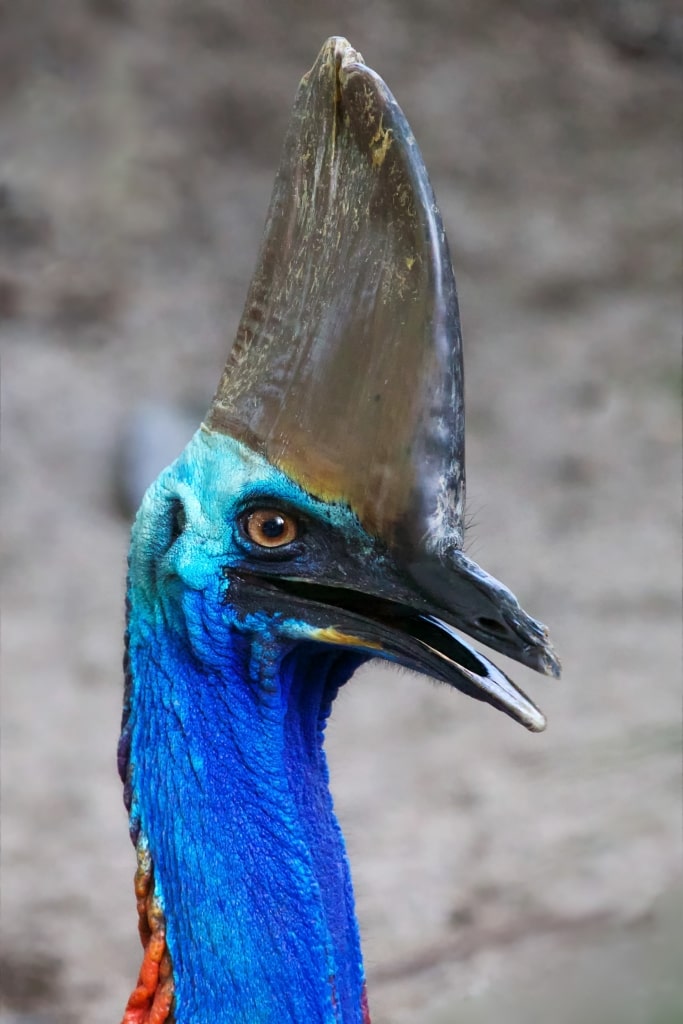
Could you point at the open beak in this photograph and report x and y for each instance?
(400, 630)
(346, 374)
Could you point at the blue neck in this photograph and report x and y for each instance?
(230, 789)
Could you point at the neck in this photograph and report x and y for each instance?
(229, 791)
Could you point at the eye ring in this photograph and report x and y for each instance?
(270, 527)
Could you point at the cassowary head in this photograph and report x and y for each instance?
(315, 520)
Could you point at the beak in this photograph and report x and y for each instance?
(385, 619)
(346, 374)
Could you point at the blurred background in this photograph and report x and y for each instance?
(499, 875)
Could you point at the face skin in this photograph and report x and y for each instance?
(192, 528)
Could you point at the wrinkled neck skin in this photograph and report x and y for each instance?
(227, 784)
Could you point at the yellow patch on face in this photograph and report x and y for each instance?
(331, 635)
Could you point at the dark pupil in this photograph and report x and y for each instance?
(273, 528)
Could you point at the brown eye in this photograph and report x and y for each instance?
(269, 528)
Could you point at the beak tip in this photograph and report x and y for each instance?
(552, 666)
(537, 722)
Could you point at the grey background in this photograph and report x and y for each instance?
(497, 873)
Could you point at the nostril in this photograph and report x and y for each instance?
(492, 626)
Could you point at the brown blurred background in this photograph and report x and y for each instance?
(499, 875)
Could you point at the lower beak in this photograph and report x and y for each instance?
(389, 629)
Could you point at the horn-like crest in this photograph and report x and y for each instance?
(347, 368)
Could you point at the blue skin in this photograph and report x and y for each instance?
(227, 780)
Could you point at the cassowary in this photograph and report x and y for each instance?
(314, 521)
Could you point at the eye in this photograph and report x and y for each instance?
(270, 528)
